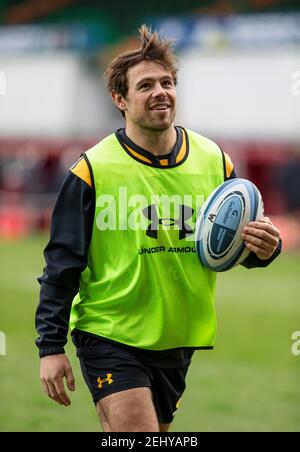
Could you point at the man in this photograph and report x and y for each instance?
(121, 237)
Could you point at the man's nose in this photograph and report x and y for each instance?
(158, 91)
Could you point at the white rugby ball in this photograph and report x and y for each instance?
(228, 209)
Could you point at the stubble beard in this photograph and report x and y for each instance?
(156, 125)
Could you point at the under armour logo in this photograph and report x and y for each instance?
(184, 214)
(108, 380)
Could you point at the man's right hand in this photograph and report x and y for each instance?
(52, 372)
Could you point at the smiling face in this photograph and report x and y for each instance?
(151, 98)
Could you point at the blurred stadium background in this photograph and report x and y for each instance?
(239, 84)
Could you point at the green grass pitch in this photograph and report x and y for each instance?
(250, 382)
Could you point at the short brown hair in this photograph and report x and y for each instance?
(153, 49)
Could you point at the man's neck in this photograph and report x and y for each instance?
(157, 142)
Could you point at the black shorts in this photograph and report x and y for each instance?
(109, 367)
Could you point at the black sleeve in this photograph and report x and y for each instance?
(253, 261)
(66, 258)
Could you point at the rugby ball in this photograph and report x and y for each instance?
(228, 209)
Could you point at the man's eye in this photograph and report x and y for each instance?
(144, 86)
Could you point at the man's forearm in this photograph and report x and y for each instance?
(52, 318)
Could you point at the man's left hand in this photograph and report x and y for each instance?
(261, 237)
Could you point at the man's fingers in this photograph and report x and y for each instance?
(262, 244)
(262, 234)
(53, 393)
(261, 253)
(70, 378)
(261, 237)
(265, 226)
(46, 388)
(60, 391)
(55, 389)
(266, 220)
(53, 370)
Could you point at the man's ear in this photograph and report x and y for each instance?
(119, 101)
